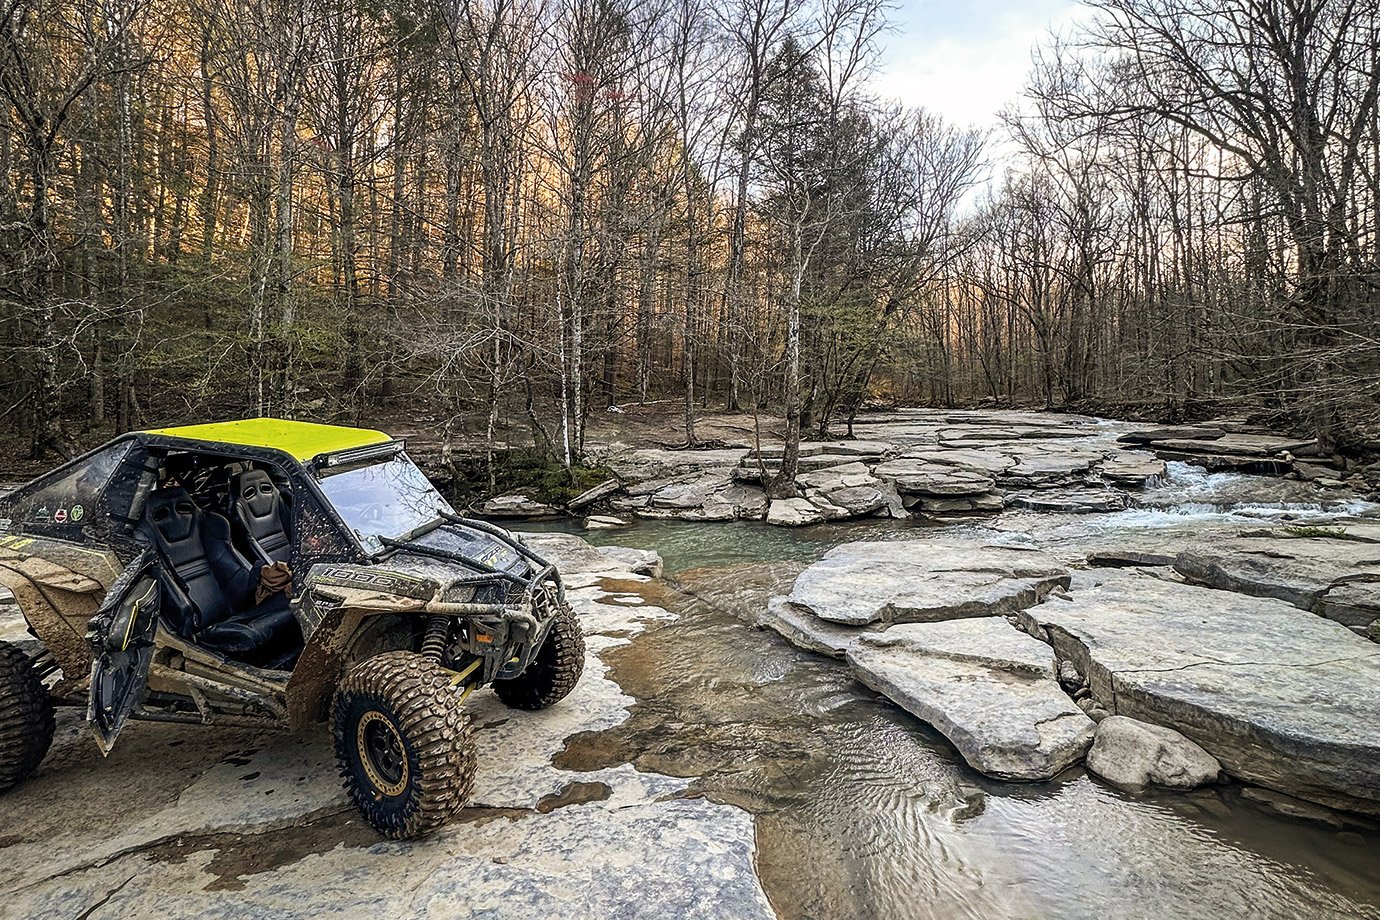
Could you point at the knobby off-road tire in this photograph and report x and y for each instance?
(554, 672)
(403, 743)
(26, 717)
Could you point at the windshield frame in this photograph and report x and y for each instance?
(318, 474)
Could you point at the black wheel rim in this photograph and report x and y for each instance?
(382, 752)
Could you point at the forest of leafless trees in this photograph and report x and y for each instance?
(518, 213)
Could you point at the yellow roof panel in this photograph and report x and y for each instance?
(303, 440)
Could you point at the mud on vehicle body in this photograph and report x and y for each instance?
(273, 573)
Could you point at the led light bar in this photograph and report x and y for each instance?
(387, 449)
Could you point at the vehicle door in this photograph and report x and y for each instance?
(121, 636)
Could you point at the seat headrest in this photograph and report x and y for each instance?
(254, 489)
(172, 513)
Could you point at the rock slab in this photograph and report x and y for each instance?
(912, 581)
(1281, 697)
(1132, 755)
(1335, 577)
(990, 689)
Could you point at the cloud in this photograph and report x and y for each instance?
(966, 63)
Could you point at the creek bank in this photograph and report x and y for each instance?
(942, 465)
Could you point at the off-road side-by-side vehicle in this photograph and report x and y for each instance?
(273, 573)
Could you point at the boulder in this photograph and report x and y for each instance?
(904, 581)
(962, 505)
(638, 561)
(987, 687)
(838, 477)
(1332, 576)
(574, 556)
(693, 493)
(515, 507)
(857, 500)
(1050, 468)
(604, 522)
(793, 512)
(1131, 755)
(1282, 698)
(1239, 445)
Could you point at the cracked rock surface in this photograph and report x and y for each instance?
(191, 822)
(987, 687)
(1281, 697)
(908, 581)
(1336, 577)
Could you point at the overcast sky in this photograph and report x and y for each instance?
(965, 60)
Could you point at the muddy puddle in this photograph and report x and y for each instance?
(861, 811)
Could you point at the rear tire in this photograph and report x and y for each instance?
(403, 743)
(26, 717)
(554, 671)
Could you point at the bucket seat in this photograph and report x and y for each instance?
(212, 586)
(257, 507)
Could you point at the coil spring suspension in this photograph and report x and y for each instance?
(437, 638)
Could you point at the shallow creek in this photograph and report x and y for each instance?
(862, 811)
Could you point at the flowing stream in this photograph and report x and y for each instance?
(862, 811)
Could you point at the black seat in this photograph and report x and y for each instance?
(257, 507)
(212, 586)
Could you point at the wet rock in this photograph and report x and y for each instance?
(987, 687)
(1175, 433)
(793, 512)
(804, 630)
(1077, 501)
(1289, 807)
(905, 581)
(1131, 755)
(1334, 577)
(1282, 698)
(604, 522)
(515, 507)
(590, 496)
(1132, 470)
(573, 555)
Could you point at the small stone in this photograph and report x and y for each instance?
(1132, 755)
(604, 522)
